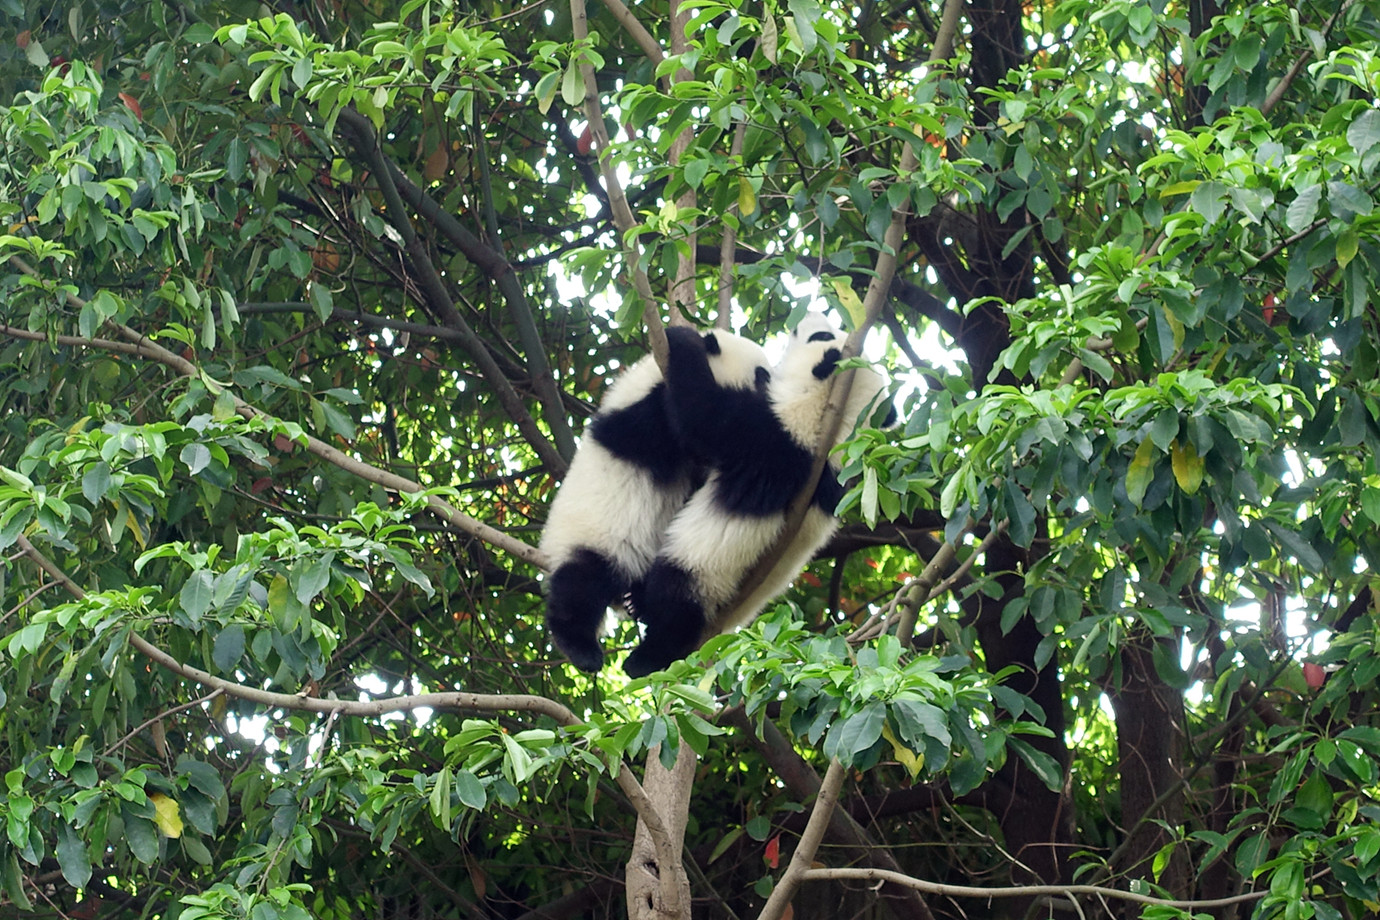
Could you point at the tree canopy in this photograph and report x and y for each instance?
(303, 307)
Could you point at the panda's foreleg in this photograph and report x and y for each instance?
(673, 618)
(581, 590)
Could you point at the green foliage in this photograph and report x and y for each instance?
(230, 380)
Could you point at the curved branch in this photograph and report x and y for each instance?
(799, 868)
(1018, 891)
(449, 701)
(139, 344)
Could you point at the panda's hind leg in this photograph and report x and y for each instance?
(672, 616)
(581, 590)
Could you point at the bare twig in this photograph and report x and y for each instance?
(1018, 891)
(163, 715)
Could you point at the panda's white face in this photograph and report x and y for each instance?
(734, 361)
(800, 381)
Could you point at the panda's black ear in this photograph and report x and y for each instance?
(823, 335)
(711, 344)
(826, 364)
(763, 378)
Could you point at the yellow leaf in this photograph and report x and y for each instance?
(165, 815)
(849, 300)
(747, 197)
(1141, 471)
(907, 758)
(1188, 466)
(1180, 188)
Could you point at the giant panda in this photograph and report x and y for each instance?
(628, 477)
(760, 456)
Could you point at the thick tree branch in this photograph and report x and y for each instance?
(366, 142)
(799, 867)
(636, 30)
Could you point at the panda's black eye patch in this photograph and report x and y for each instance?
(822, 336)
(827, 364)
(711, 344)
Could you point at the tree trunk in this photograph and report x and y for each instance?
(656, 890)
(1150, 747)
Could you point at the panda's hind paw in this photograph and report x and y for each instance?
(642, 661)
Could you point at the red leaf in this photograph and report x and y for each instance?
(1313, 675)
(133, 105)
(772, 853)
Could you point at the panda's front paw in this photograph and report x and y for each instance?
(583, 652)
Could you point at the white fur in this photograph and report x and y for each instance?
(615, 507)
(717, 548)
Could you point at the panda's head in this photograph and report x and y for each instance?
(812, 353)
(800, 381)
(736, 362)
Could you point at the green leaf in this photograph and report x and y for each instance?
(1364, 132)
(228, 648)
(196, 595)
(73, 858)
(1304, 208)
(1295, 545)
(856, 733)
(470, 790)
(1044, 766)
(573, 85)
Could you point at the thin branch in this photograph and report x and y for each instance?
(682, 293)
(637, 30)
(447, 701)
(1018, 891)
(1280, 88)
(618, 202)
(729, 242)
(799, 868)
(804, 783)
(139, 344)
(878, 290)
(162, 715)
(538, 368)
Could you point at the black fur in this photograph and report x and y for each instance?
(761, 468)
(735, 431)
(581, 588)
(679, 621)
(641, 434)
